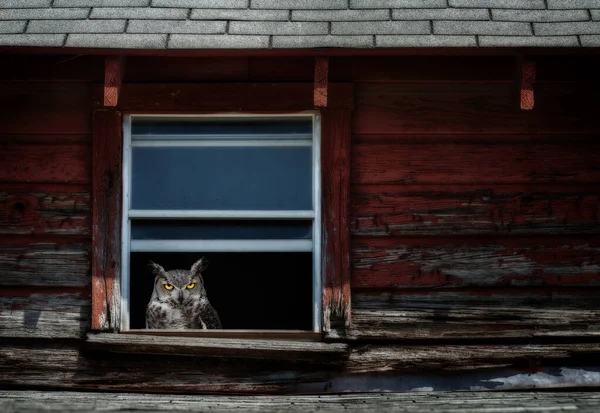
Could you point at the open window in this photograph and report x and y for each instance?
(241, 191)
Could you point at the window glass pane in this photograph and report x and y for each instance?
(222, 178)
(221, 229)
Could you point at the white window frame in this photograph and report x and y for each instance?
(313, 245)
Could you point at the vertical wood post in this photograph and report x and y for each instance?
(114, 69)
(106, 218)
(321, 77)
(527, 81)
(335, 166)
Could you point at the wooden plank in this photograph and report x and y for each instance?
(474, 314)
(433, 69)
(321, 79)
(44, 264)
(45, 209)
(106, 219)
(218, 347)
(475, 262)
(418, 401)
(408, 108)
(399, 210)
(39, 68)
(277, 69)
(335, 161)
(34, 163)
(227, 97)
(43, 313)
(527, 82)
(186, 69)
(484, 163)
(47, 139)
(45, 108)
(455, 358)
(114, 69)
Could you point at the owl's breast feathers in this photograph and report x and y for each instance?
(202, 315)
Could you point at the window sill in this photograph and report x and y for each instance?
(216, 347)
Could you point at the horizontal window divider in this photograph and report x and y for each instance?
(210, 245)
(217, 214)
(137, 137)
(219, 143)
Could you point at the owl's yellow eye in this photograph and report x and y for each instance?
(168, 286)
(191, 285)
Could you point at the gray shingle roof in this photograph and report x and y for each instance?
(226, 24)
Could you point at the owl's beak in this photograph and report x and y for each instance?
(180, 297)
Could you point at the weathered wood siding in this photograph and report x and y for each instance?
(472, 222)
(470, 217)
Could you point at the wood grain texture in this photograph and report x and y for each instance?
(186, 69)
(527, 82)
(45, 108)
(474, 314)
(335, 162)
(54, 68)
(440, 210)
(321, 79)
(45, 163)
(218, 347)
(227, 97)
(475, 164)
(410, 108)
(490, 262)
(114, 69)
(106, 219)
(45, 209)
(38, 313)
(44, 264)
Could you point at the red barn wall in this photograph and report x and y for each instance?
(470, 219)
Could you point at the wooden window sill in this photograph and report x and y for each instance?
(222, 346)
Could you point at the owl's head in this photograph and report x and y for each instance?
(179, 286)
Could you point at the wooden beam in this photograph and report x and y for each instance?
(335, 167)
(321, 75)
(114, 68)
(527, 81)
(106, 219)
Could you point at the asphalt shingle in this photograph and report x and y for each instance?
(136, 13)
(478, 27)
(187, 41)
(12, 26)
(35, 40)
(440, 14)
(377, 4)
(125, 41)
(574, 4)
(564, 29)
(340, 15)
(227, 14)
(24, 4)
(202, 4)
(101, 3)
(395, 27)
(76, 26)
(528, 41)
(52, 14)
(499, 4)
(540, 15)
(294, 42)
(282, 28)
(176, 26)
(426, 41)
(184, 24)
(299, 4)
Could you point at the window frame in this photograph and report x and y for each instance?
(315, 216)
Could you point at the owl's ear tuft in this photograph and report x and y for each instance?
(156, 269)
(199, 266)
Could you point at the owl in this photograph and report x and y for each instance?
(179, 300)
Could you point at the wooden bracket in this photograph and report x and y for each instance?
(527, 81)
(114, 68)
(321, 75)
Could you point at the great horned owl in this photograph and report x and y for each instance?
(179, 300)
